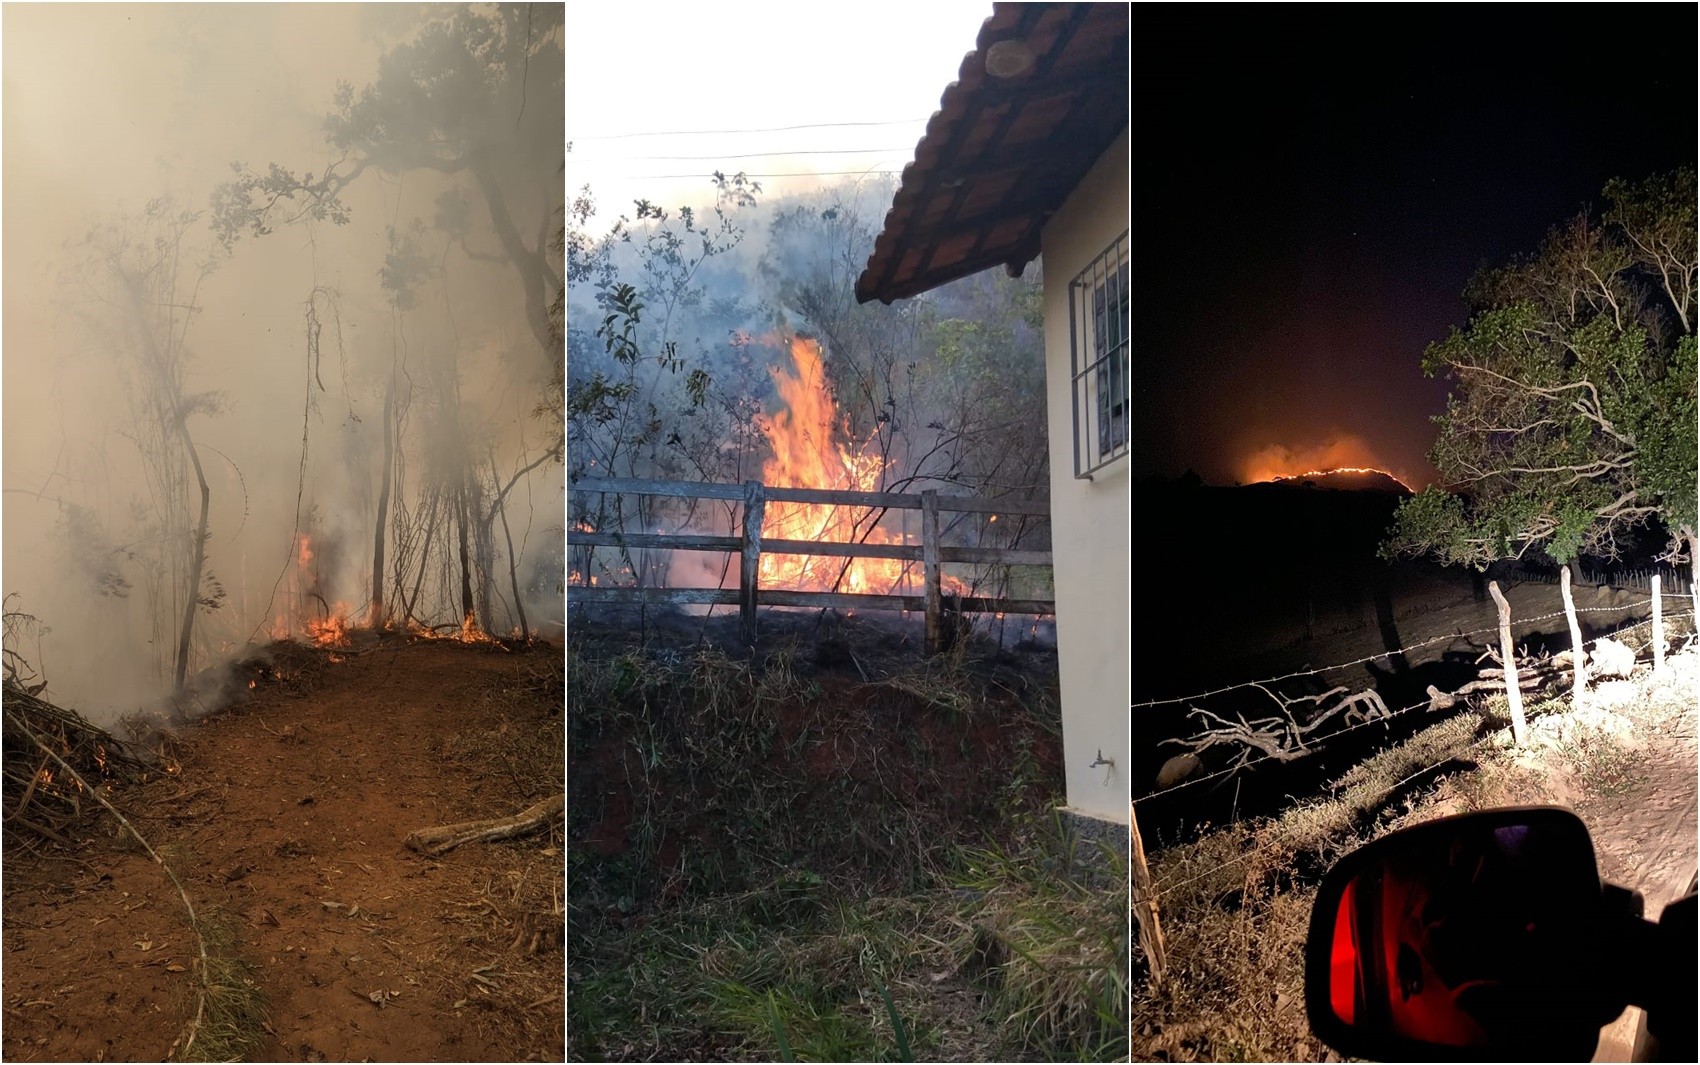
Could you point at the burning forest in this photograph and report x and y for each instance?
(284, 484)
(301, 375)
(698, 376)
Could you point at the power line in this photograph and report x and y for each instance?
(763, 155)
(800, 173)
(768, 129)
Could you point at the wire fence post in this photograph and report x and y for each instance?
(1145, 907)
(1508, 652)
(1658, 628)
(1578, 654)
(749, 569)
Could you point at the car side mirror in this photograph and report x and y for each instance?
(1468, 938)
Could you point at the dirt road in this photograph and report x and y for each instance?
(1645, 835)
(284, 820)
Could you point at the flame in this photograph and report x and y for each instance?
(1341, 454)
(806, 454)
(252, 684)
(469, 631)
(1340, 469)
(472, 632)
(304, 553)
(332, 631)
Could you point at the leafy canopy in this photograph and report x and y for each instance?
(1572, 417)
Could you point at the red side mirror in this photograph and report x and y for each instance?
(1467, 938)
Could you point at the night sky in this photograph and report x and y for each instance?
(1312, 188)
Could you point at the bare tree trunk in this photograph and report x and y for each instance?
(425, 550)
(1508, 652)
(1658, 626)
(536, 277)
(465, 556)
(1694, 578)
(1578, 654)
(377, 615)
(199, 558)
(483, 554)
(513, 563)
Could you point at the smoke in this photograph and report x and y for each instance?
(132, 326)
(934, 392)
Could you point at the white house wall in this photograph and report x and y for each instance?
(1090, 534)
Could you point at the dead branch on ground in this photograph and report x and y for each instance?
(447, 837)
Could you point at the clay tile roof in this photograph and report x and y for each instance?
(1001, 154)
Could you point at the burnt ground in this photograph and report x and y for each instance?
(284, 818)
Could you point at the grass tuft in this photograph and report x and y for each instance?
(234, 1016)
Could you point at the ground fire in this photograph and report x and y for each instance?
(1313, 474)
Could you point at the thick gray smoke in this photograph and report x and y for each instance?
(240, 235)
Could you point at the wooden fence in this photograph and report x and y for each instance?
(750, 545)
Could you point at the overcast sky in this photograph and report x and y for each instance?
(685, 71)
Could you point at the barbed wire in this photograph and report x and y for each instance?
(1163, 889)
(1332, 736)
(1160, 890)
(1448, 637)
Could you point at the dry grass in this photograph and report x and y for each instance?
(1236, 902)
(838, 886)
(1236, 908)
(233, 1016)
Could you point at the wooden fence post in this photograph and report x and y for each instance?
(1513, 694)
(1578, 654)
(1145, 907)
(930, 569)
(749, 569)
(1658, 628)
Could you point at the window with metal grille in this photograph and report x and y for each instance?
(1098, 322)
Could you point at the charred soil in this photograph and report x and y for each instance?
(284, 817)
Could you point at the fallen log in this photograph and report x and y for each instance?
(447, 837)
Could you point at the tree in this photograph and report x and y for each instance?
(476, 94)
(143, 294)
(1572, 414)
(470, 101)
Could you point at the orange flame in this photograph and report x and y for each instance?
(332, 631)
(1341, 454)
(1342, 469)
(472, 632)
(806, 455)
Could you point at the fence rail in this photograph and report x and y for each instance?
(750, 545)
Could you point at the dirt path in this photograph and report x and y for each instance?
(1647, 834)
(285, 822)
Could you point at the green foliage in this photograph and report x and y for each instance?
(1572, 413)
